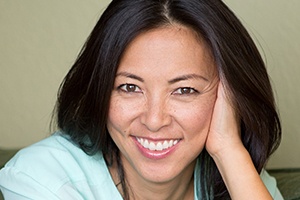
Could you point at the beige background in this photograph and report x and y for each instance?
(40, 39)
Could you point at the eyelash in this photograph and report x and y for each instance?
(131, 88)
(125, 88)
(182, 91)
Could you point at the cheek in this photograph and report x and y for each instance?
(120, 114)
(115, 122)
(115, 116)
(197, 117)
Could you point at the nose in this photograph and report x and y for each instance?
(156, 114)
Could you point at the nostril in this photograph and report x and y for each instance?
(155, 115)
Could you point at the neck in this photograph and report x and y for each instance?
(179, 190)
(180, 187)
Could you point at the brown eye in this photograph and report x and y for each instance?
(129, 88)
(185, 91)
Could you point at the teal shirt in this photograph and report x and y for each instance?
(55, 168)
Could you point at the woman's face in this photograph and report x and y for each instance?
(162, 103)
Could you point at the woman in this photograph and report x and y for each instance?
(167, 100)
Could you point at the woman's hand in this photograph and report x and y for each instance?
(224, 133)
(231, 157)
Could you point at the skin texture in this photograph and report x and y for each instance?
(166, 89)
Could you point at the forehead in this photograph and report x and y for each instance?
(165, 46)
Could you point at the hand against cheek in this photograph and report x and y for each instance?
(231, 157)
(224, 133)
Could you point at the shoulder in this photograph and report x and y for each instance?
(56, 156)
(55, 163)
(270, 183)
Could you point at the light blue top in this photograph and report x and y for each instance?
(55, 168)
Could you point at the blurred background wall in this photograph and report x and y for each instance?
(40, 39)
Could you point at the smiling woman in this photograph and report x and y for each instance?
(167, 100)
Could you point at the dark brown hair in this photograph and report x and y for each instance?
(84, 96)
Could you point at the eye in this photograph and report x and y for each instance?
(129, 88)
(185, 91)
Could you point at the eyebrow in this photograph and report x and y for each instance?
(129, 75)
(172, 81)
(187, 77)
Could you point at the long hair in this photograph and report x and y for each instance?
(84, 95)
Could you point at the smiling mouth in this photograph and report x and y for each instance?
(157, 146)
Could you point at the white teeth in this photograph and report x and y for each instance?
(146, 144)
(152, 146)
(157, 147)
(165, 144)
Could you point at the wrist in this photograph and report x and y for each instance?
(239, 174)
(228, 152)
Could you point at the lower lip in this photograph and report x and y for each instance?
(155, 155)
